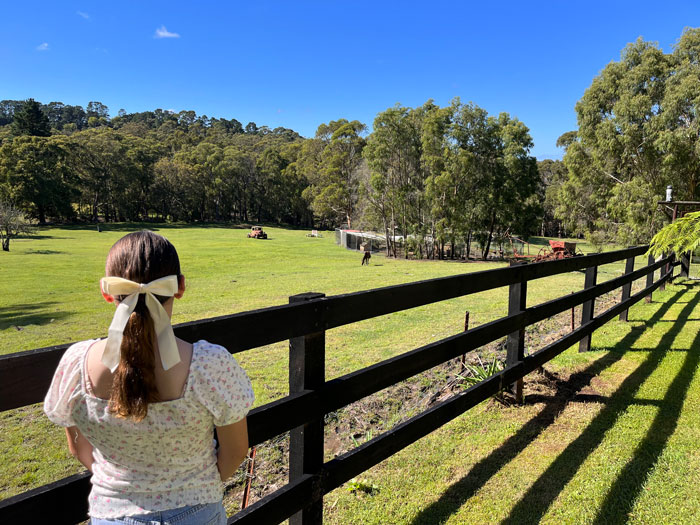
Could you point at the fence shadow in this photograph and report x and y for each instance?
(457, 494)
(533, 505)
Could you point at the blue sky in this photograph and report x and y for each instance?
(298, 64)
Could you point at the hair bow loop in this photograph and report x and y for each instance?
(167, 346)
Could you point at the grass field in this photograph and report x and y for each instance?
(49, 295)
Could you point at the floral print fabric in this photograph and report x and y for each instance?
(168, 459)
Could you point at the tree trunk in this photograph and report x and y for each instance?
(488, 241)
(386, 233)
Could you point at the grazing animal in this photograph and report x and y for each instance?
(365, 258)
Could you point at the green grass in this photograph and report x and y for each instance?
(49, 295)
(624, 451)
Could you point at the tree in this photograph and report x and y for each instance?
(31, 120)
(12, 223)
(638, 131)
(35, 175)
(331, 163)
(393, 154)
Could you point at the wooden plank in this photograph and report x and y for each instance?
(278, 506)
(650, 277)
(54, 496)
(627, 288)
(25, 377)
(515, 343)
(289, 412)
(40, 364)
(588, 307)
(247, 330)
(307, 371)
(685, 264)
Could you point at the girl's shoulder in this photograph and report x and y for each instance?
(72, 358)
(220, 383)
(66, 385)
(210, 354)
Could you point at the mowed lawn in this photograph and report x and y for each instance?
(49, 295)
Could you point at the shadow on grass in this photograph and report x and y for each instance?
(457, 494)
(621, 497)
(42, 252)
(624, 492)
(156, 226)
(20, 315)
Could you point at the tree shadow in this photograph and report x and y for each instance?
(21, 315)
(156, 226)
(533, 505)
(42, 252)
(458, 493)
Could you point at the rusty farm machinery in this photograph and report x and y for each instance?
(556, 250)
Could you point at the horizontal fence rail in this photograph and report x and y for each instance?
(248, 330)
(305, 321)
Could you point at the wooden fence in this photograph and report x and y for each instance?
(25, 376)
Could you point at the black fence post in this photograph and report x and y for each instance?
(664, 271)
(685, 264)
(307, 365)
(626, 288)
(587, 309)
(650, 276)
(515, 344)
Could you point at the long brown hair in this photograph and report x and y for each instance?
(141, 257)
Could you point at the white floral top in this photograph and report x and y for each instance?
(168, 459)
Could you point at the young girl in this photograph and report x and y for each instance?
(141, 406)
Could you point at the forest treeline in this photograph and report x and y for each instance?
(432, 175)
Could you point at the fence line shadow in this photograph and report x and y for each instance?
(621, 497)
(458, 493)
(533, 505)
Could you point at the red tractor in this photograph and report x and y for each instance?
(256, 232)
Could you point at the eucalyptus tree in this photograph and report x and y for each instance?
(638, 131)
(330, 163)
(393, 155)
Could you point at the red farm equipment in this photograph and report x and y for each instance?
(256, 232)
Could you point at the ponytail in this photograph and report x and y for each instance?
(134, 382)
(141, 257)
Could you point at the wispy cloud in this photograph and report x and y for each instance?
(161, 32)
(42, 47)
(84, 15)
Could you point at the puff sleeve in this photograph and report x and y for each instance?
(65, 387)
(222, 386)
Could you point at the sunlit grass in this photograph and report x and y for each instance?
(52, 297)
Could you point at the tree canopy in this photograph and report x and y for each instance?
(429, 176)
(638, 131)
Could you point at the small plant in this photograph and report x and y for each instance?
(368, 437)
(478, 373)
(357, 486)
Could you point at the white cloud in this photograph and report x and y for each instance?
(42, 47)
(161, 32)
(84, 15)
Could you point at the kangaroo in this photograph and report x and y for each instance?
(365, 258)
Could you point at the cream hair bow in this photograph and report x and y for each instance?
(167, 346)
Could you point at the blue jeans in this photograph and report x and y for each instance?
(202, 514)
